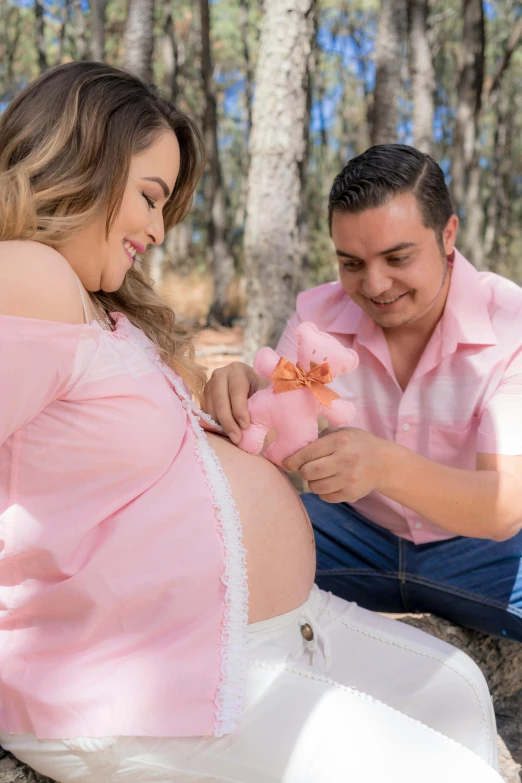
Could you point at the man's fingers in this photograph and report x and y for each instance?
(226, 396)
(326, 486)
(323, 447)
(322, 468)
(239, 392)
(207, 405)
(219, 403)
(333, 497)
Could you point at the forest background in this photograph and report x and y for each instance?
(286, 92)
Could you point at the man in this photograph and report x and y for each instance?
(418, 506)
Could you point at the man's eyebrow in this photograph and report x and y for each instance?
(160, 182)
(395, 249)
(343, 254)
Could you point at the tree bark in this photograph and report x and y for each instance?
(178, 248)
(64, 27)
(497, 196)
(515, 38)
(239, 219)
(169, 52)
(139, 38)
(249, 74)
(273, 254)
(422, 75)
(98, 9)
(14, 23)
(40, 35)
(80, 30)
(388, 61)
(220, 258)
(470, 83)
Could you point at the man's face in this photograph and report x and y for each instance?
(390, 264)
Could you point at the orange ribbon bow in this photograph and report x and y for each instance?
(288, 376)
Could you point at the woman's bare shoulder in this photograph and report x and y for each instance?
(37, 282)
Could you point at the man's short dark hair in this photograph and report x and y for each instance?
(386, 170)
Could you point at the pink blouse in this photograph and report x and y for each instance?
(123, 586)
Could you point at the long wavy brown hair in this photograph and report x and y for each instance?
(66, 143)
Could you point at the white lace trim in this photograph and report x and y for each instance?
(206, 417)
(229, 701)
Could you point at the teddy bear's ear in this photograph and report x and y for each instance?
(265, 362)
(351, 361)
(307, 334)
(316, 347)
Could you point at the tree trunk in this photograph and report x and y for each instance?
(14, 23)
(239, 219)
(496, 182)
(169, 51)
(64, 29)
(79, 32)
(40, 35)
(473, 238)
(422, 75)
(98, 8)
(273, 255)
(470, 82)
(220, 258)
(513, 41)
(304, 215)
(249, 75)
(139, 38)
(155, 264)
(388, 61)
(178, 248)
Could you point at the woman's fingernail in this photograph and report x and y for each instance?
(242, 423)
(234, 437)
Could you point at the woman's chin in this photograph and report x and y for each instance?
(112, 283)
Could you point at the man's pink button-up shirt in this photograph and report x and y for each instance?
(464, 398)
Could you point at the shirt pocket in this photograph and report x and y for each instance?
(455, 446)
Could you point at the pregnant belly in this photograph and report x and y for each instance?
(277, 533)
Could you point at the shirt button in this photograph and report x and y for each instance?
(405, 426)
(307, 632)
(418, 525)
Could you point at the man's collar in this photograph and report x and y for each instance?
(465, 320)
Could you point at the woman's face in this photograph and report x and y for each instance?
(102, 262)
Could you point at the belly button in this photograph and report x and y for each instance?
(307, 632)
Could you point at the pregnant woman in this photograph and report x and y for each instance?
(158, 617)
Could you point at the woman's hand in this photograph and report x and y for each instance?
(226, 395)
(343, 465)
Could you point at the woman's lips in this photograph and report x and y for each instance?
(139, 247)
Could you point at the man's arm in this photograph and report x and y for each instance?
(481, 503)
(347, 464)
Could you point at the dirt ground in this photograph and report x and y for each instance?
(219, 347)
(190, 297)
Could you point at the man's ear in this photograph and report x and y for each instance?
(449, 234)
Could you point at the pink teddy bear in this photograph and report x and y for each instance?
(298, 394)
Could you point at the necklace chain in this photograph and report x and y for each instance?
(104, 322)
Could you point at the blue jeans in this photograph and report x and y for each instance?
(473, 582)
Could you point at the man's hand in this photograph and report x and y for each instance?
(341, 466)
(226, 395)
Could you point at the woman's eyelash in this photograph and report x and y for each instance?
(149, 201)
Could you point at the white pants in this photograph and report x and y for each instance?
(365, 700)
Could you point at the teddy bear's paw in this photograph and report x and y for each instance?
(254, 439)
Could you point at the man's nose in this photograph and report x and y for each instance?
(376, 282)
